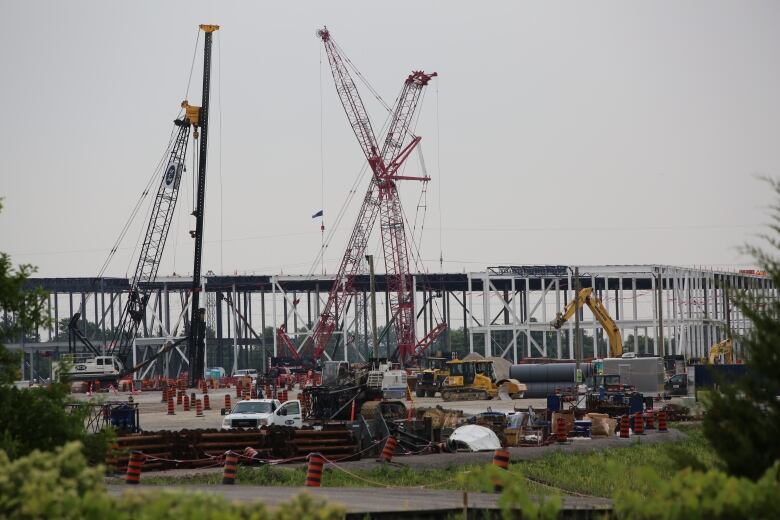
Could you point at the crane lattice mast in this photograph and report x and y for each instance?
(381, 199)
(153, 244)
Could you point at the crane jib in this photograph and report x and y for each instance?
(381, 200)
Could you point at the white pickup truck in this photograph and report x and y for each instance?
(254, 413)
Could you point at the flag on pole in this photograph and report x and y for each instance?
(318, 214)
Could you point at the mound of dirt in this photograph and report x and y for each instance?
(501, 367)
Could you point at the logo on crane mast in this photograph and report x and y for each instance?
(172, 174)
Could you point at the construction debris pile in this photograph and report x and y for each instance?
(200, 448)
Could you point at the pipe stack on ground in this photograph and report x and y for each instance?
(543, 379)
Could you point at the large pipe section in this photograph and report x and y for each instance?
(544, 379)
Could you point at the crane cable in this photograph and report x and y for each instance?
(322, 168)
(192, 64)
(186, 96)
(345, 205)
(438, 172)
(419, 265)
(137, 207)
(147, 214)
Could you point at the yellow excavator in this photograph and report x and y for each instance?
(585, 297)
(724, 348)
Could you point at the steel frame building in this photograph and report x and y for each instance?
(503, 311)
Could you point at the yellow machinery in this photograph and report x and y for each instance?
(431, 377)
(723, 348)
(475, 380)
(585, 297)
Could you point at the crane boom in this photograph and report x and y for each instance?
(154, 242)
(350, 97)
(381, 198)
(585, 297)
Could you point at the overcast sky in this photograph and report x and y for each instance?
(565, 133)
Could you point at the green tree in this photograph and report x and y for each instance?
(697, 494)
(743, 422)
(93, 330)
(34, 417)
(25, 310)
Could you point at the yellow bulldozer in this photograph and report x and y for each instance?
(431, 377)
(475, 380)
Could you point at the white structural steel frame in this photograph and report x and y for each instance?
(504, 311)
(695, 310)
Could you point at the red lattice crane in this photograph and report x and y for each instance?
(380, 199)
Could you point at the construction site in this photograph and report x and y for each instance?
(383, 367)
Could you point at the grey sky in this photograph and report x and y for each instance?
(581, 132)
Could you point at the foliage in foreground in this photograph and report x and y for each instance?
(586, 473)
(514, 496)
(35, 418)
(61, 485)
(22, 310)
(695, 494)
(31, 418)
(591, 473)
(743, 422)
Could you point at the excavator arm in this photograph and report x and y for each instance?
(725, 347)
(585, 297)
(568, 312)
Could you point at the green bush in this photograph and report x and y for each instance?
(694, 494)
(60, 484)
(743, 419)
(56, 484)
(36, 418)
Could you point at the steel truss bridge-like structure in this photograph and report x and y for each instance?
(502, 311)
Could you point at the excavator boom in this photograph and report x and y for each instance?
(585, 297)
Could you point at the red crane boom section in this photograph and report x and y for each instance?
(381, 198)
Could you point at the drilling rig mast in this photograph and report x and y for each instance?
(162, 213)
(196, 346)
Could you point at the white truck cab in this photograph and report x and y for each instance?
(254, 413)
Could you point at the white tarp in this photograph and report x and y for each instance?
(476, 438)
